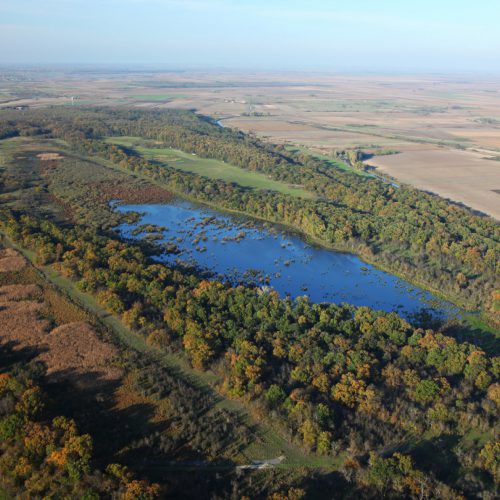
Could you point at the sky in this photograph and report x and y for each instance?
(324, 35)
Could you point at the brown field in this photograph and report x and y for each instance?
(106, 191)
(75, 348)
(71, 350)
(15, 293)
(20, 317)
(10, 260)
(444, 126)
(458, 175)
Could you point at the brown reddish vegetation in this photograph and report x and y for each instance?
(75, 348)
(124, 191)
(20, 318)
(102, 192)
(10, 260)
(67, 209)
(13, 293)
(71, 350)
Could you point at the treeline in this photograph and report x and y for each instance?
(337, 379)
(43, 455)
(428, 240)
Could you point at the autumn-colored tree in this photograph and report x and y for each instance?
(489, 459)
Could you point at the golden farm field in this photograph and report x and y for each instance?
(461, 176)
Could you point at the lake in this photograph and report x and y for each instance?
(237, 249)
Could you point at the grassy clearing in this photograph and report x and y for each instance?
(214, 169)
(478, 436)
(478, 331)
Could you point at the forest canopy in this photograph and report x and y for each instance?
(393, 403)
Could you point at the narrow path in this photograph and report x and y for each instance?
(197, 465)
(262, 464)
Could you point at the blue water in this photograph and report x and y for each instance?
(268, 256)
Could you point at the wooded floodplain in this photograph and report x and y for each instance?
(359, 400)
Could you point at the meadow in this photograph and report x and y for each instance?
(211, 168)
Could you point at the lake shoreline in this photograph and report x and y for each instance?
(319, 243)
(289, 262)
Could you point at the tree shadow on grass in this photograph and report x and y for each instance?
(11, 355)
(88, 398)
(437, 456)
(327, 485)
(486, 340)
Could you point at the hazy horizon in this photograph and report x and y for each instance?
(163, 68)
(255, 35)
